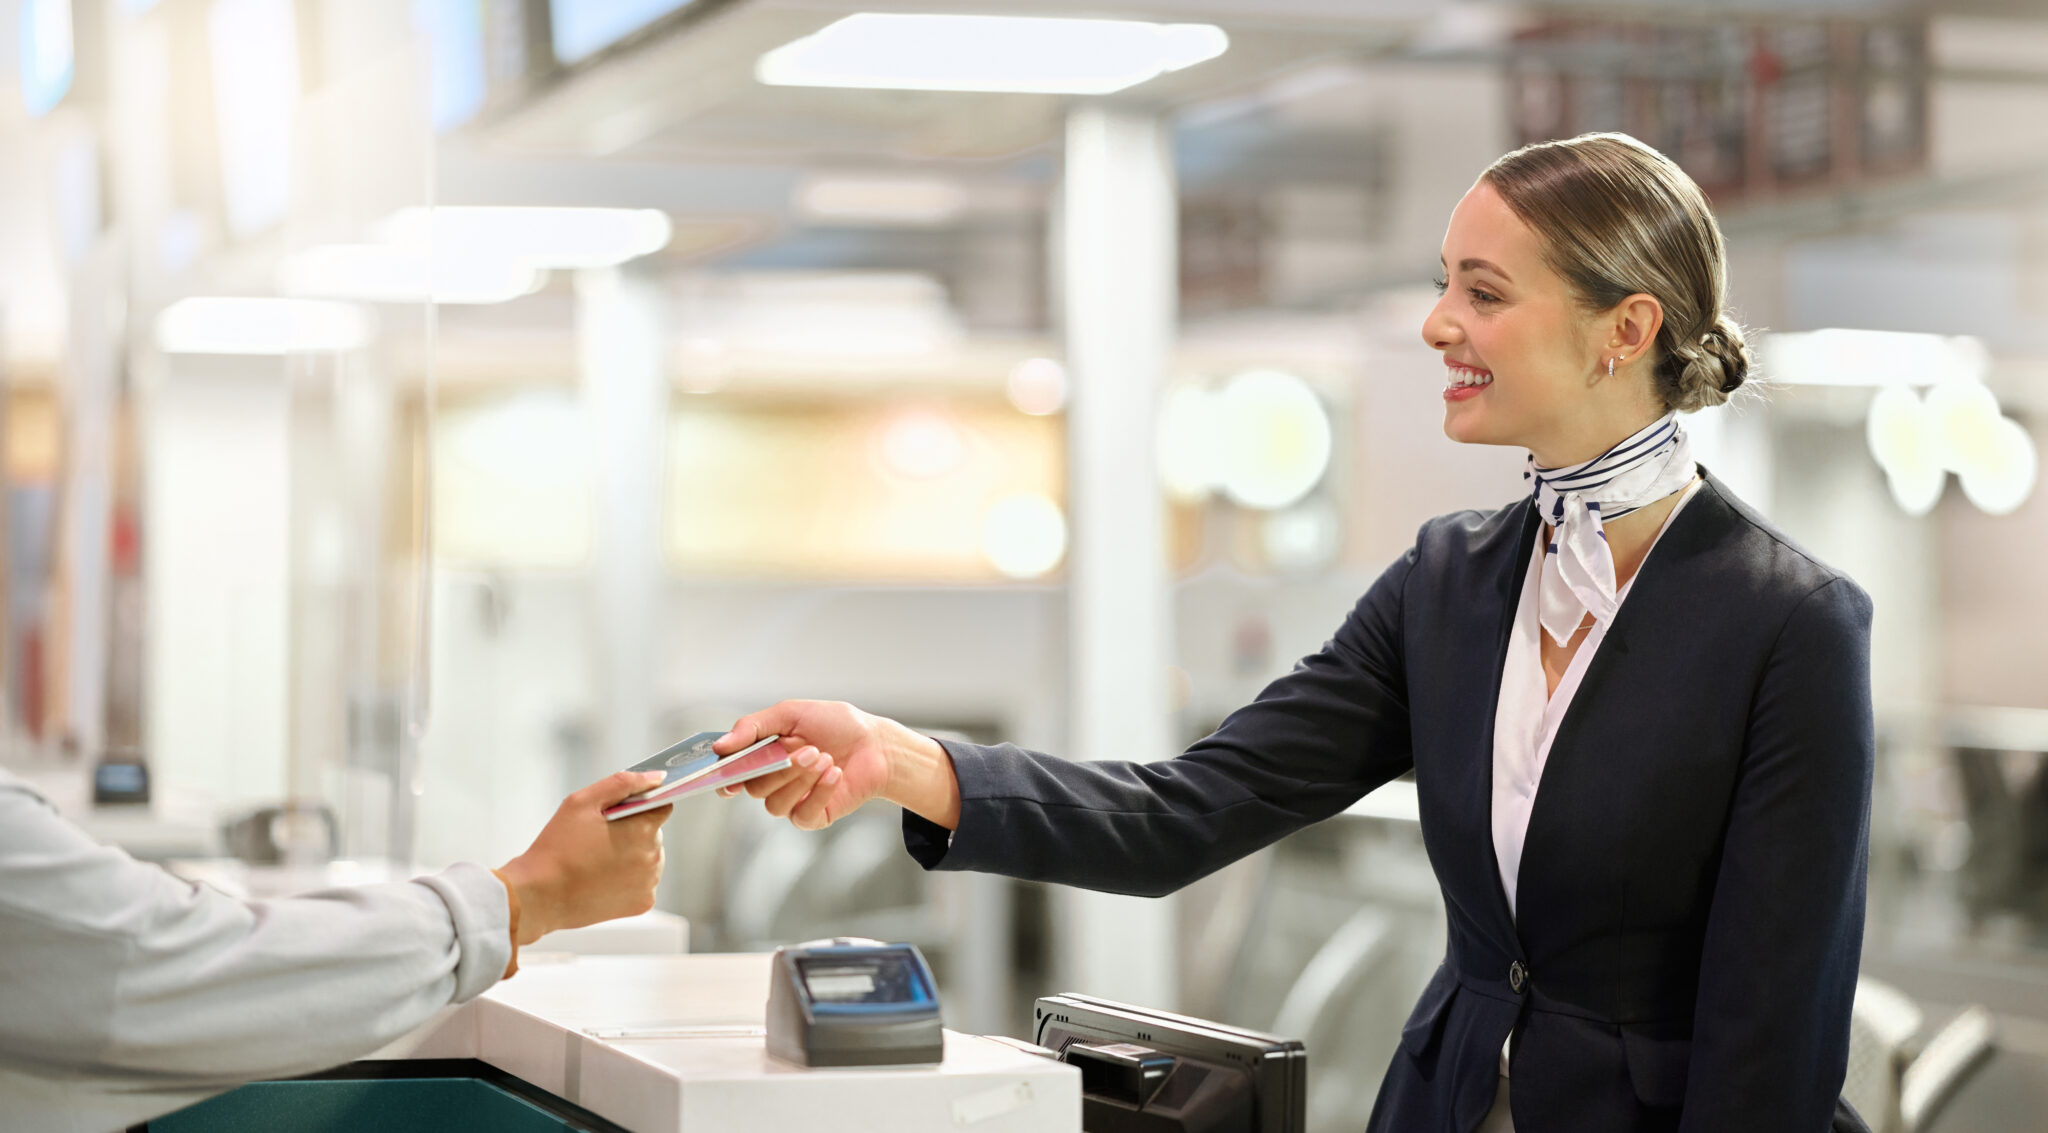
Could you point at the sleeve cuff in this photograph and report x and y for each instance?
(480, 906)
(932, 845)
(926, 840)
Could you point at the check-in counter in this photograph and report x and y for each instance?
(667, 1044)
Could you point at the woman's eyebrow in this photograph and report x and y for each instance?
(1480, 265)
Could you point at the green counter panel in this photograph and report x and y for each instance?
(387, 1098)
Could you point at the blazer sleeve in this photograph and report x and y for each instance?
(1315, 741)
(1784, 934)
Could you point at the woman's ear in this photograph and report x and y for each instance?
(1635, 322)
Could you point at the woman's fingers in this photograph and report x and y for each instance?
(814, 812)
(763, 786)
(783, 799)
(806, 764)
(802, 792)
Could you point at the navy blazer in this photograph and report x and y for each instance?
(1692, 887)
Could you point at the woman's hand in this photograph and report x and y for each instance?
(582, 869)
(844, 757)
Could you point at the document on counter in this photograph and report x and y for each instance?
(693, 768)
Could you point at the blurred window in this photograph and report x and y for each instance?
(455, 44)
(512, 482)
(255, 55)
(945, 491)
(46, 54)
(582, 28)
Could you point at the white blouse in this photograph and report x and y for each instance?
(1526, 717)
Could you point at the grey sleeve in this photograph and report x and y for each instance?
(116, 974)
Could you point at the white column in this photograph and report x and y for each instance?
(619, 350)
(1117, 276)
(216, 590)
(88, 496)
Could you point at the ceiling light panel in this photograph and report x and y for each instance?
(380, 273)
(259, 325)
(543, 238)
(1016, 54)
(906, 201)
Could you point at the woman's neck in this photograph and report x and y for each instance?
(1596, 441)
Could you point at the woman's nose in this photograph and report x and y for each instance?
(1439, 330)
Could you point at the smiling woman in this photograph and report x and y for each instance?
(1574, 261)
(1634, 953)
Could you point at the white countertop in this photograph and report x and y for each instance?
(174, 824)
(674, 1043)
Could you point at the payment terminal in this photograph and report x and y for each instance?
(853, 1002)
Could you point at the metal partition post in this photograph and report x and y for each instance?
(1116, 270)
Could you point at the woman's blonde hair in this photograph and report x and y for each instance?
(1617, 218)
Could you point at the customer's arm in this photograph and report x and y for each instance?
(113, 969)
(1779, 961)
(1311, 744)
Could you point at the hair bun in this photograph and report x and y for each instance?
(1713, 366)
(1725, 341)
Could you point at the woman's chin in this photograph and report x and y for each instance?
(1466, 427)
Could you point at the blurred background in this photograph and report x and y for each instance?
(411, 410)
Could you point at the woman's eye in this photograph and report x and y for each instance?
(1478, 295)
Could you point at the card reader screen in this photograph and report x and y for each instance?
(841, 983)
(875, 979)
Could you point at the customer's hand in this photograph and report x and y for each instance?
(853, 757)
(583, 869)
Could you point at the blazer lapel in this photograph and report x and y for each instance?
(1509, 572)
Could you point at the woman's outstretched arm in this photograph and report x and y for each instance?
(1313, 742)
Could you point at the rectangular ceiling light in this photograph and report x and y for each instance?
(471, 254)
(380, 273)
(224, 325)
(542, 237)
(880, 200)
(1022, 54)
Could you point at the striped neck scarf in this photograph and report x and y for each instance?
(1577, 500)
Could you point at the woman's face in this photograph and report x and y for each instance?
(1524, 365)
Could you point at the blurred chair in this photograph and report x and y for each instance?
(1896, 1083)
(2001, 764)
(851, 879)
(1344, 932)
(1341, 1007)
(1994, 876)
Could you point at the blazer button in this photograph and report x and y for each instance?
(1517, 976)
